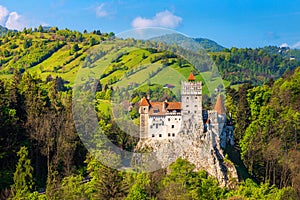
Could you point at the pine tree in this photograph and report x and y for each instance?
(23, 182)
(106, 183)
(243, 112)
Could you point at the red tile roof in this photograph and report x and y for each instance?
(173, 105)
(157, 108)
(191, 77)
(144, 102)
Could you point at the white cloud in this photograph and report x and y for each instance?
(296, 45)
(15, 21)
(3, 14)
(283, 45)
(164, 19)
(100, 12)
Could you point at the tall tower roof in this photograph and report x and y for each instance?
(191, 77)
(219, 106)
(144, 102)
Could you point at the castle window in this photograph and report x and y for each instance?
(156, 125)
(195, 111)
(187, 105)
(175, 118)
(152, 135)
(159, 135)
(173, 134)
(196, 97)
(187, 98)
(151, 126)
(188, 111)
(195, 105)
(169, 134)
(169, 119)
(144, 108)
(172, 126)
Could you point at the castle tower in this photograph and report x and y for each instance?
(191, 98)
(221, 120)
(144, 115)
(220, 108)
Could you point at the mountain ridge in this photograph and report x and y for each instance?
(193, 44)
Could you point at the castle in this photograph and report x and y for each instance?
(168, 120)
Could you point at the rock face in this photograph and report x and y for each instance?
(203, 151)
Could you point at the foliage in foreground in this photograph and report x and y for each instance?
(181, 182)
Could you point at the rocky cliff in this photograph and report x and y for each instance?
(203, 151)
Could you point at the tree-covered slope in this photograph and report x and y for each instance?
(267, 129)
(209, 45)
(256, 66)
(284, 52)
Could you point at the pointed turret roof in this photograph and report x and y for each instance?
(191, 77)
(144, 102)
(219, 106)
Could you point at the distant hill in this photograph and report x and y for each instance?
(3, 30)
(193, 44)
(209, 45)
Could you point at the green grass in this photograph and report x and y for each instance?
(213, 83)
(139, 77)
(169, 75)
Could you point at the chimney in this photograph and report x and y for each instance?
(165, 105)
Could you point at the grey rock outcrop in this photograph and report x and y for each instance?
(202, 151)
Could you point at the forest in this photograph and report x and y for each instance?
(42, 156)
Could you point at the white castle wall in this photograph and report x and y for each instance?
(173, 125)
(164, 127)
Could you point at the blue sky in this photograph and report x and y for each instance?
(239, 23)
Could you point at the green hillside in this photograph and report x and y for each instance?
(51, 52)
(55, 52)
